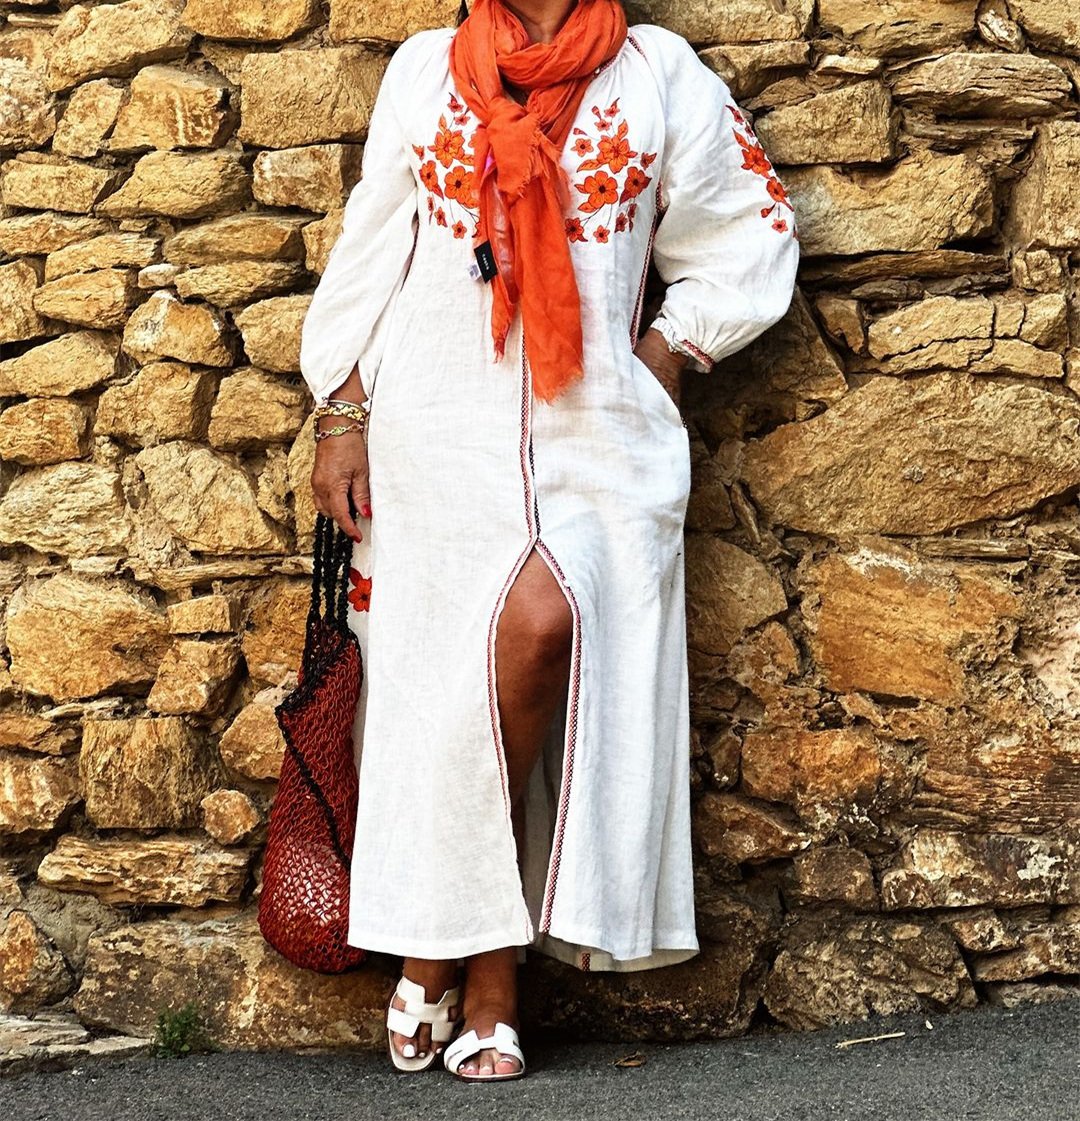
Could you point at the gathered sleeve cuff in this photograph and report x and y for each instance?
(726, 244)
(353, 301)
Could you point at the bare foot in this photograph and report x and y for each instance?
(435, 977)
(490, 996)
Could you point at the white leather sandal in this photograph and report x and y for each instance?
(503, 1039)
(417, 1011)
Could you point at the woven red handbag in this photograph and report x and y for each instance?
(304, 901)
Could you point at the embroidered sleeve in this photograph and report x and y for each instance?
(353, 301)
(726, 244)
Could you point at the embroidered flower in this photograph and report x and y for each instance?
(440, 217)
(429, 176)
(617, 174)
(419, 150)
(460, 185)
(602, 189)
(458, 228)
(449, 144)
(756, 160)
(635, 182)
(360, 592)
(575, 231)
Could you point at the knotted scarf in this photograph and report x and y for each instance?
(521, 186)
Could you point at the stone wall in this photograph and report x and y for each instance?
(883, 543)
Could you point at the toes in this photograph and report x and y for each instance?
(507, 1065)
(423, 1040)
(405, 1045)
(468, 1067)
(487, 1063)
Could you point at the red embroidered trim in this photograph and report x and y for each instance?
(698, 353)
(570, 742)
(586, 962)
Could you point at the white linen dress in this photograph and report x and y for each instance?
(469, 473)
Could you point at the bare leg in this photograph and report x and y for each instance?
(533, 646)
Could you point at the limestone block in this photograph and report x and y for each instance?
(252, 746)
(73, 637)
(164, 327)
(37, 234)
(19, 319)
(161, 275)
(729, 592)
(238, 237)
(306, 97)
(109, 251)
(263, 21)
(271, 332)
(207, 500)
(850, 124)
(921, 331)
(229, 816)
(824, 776)
(73, 508)
(254, 408)
(32, 971)
(1048, 24)
(195, 677)
(1055, 948)
(27, 41)
(57, 1041)
(173, 108)
(942, 868)
(301, 464)
(54, 183)
(315, 177)
(273, 637)
(832, 874)
(899, 27)
(114, 39)
(44, 430)
(984, 84)
(982, 931)
(240, 282)
(249, 992)
(748, 68)
(212, 614)
(36, 791)
(1042, 211)
(181, 185)
(830, 972)
(997, 27)
(843, 320)
(319, 239)
(29, 732)
(146, 773)
(872, 463)
(888, 623)
(922, 202)
(29, 115)
(740, 21)
(392, 21)
(164, 401)
(88, 118)
(737, 831)
(72, 363)
(101, 299)
(165, 869)
(1014, 356)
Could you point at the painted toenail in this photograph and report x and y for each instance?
(409, 1051)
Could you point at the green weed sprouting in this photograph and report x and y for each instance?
(181, 1032)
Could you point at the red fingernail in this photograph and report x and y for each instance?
(358, 539)
(365, 510)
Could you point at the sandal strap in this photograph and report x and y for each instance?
(417, 1011)
(503, 1039)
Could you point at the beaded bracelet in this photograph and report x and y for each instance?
(338, 430)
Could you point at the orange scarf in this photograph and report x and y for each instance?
(521, 186)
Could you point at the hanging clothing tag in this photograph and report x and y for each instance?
(485, 260)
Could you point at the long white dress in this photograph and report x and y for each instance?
(469, 474)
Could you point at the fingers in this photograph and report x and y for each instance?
(340, 512)
(361, 495)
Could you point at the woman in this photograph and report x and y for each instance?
(517, 489)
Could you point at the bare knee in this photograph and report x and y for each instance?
(549, 629)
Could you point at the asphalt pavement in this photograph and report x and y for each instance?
(987, 1063)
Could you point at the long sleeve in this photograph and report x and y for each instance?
(354, 299)
(726, 243)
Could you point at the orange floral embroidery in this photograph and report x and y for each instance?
(360, 592)
(613, 180)
(454, 187)
(756, 160)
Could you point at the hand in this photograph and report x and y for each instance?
(652, 349)
(341, 465)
